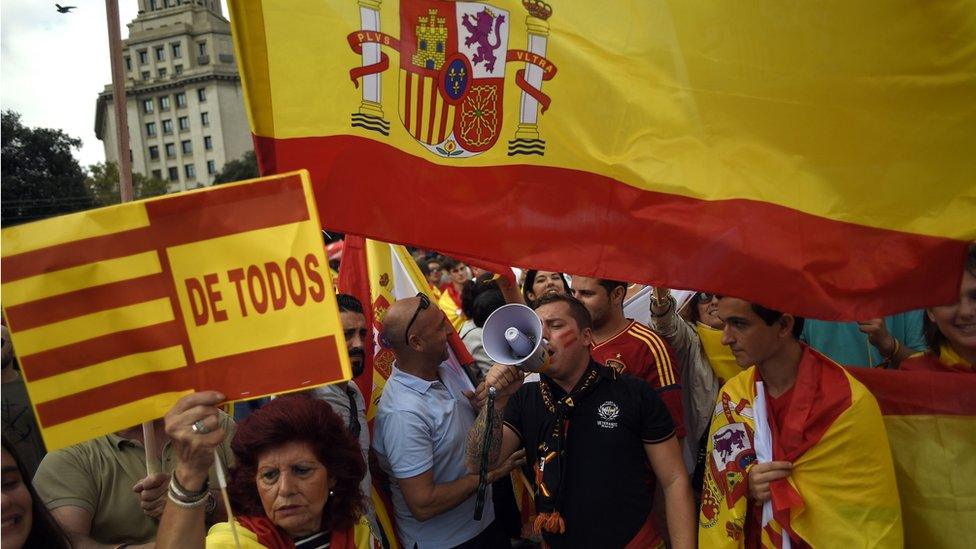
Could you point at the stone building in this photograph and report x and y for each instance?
(184, 98)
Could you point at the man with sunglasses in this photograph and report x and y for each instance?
(421, 426)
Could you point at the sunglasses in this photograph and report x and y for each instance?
(705, 297)
(424, 303)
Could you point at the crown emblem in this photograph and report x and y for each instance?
(537, 9)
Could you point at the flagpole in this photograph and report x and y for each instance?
(119, 99)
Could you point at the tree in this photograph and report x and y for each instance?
(245, 167)
(39, 176)
(103, 184)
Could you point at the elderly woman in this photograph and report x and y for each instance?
(295, 483)
(950, 330)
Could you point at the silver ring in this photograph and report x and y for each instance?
(199, 427)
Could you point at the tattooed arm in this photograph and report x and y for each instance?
(506, 380)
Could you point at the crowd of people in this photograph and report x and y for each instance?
(632, 435)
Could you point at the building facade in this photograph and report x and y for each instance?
(184, 98)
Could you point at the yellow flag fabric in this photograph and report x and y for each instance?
(743, 143)
(842, 482)
(720, 357)
(116, 313)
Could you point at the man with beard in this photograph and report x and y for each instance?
(346, 398)
(627, 346)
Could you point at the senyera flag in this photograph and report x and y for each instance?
(118, 312)
(814, 157)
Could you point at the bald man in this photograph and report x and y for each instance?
(421, 425)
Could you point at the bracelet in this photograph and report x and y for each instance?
(187, 504)
(670, 302)
(179, 493)
(893, 353)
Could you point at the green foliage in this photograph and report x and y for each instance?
(103, 183)
(39, 176)
(246, 167)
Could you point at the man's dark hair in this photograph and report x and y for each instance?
(770, 316)
(349, 304)
(576, 308)
(449, 263)
(611, 285)
(485, 304)
(473, 288)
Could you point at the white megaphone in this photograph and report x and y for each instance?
(512, 335)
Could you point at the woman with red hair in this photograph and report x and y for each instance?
(295, 483)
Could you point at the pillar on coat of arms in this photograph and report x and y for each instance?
(537, 25)
(371, 106)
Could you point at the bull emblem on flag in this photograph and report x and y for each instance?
(453, 60)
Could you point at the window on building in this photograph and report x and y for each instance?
(181, 100)
(211, 167)
(202, 95)
(177, 50)
(177, 69)
(187, 146)
(208, 142)
(190, 171)
(162, 72)
(143, 57)
(174, 173)
(154, 152)
(128, 63)
(147, 106)
(164, 103)
(202, 48)
(170, 150)
(205, 118)
(153, 5)
(151, 129)
(160, 53)
(145, 75)
(168, 3)
(157, 174)
(167, 127)
(184, 122)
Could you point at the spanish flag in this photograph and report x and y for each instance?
(118, 312)
(810, 156)
(841, 491)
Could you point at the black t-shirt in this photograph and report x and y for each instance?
(608, 483)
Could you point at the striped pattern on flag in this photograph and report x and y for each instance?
(424, 112)
(96, 316)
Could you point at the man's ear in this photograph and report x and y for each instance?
(587, 335)
(786, 325)
(618, 295)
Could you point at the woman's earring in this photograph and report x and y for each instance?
(331, 493)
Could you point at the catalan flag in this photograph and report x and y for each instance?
(811, 156)
(118, 312)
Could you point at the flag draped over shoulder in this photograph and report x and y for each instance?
(808, 156)
(841, 490)
(930, 419)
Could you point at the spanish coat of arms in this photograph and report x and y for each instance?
(453, 60)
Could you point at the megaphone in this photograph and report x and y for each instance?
(512, 335)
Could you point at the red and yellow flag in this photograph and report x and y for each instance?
(118, 312)
(808, 156)
(930, 418)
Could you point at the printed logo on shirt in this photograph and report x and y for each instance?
(617, 365)
(608, 412)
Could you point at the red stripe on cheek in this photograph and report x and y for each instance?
(567, 339)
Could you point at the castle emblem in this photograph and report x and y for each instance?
(453, 62)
